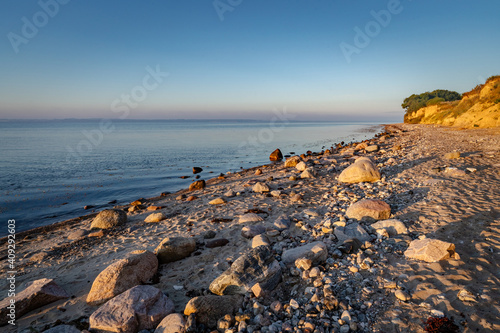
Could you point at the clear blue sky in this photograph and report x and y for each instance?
(87, 55)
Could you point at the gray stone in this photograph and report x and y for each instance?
(260, 240)
(362, 170)
(256, 266)
(282, 222)
(352, 230)
(208, 309)
(250, 217)
(109, 218)
(173, 323)
(394, 227)
(139, 308)
(317, 252)
(250, 231)
(36, 294)
(174, 248)
(63, 329)
(138, 268)
(301, 166)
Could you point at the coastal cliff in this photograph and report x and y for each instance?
(478, 108)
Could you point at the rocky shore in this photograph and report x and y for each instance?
(400, 233)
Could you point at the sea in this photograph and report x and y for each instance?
(51, 169)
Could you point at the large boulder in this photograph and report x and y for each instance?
(209, 309)
(369, 208)
(109, 218)
(393, 227)
(276, 155)
(292, 161)
(174, 248)
(256, 266)
(36, 294)
(139, 308)
(301, 166)
(362, 170)
(430, 250)
(197, 185)
(317, 252)
(122, 275)
(173, 323)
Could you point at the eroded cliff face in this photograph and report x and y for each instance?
(478, 108)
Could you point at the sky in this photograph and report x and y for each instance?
(318, 60)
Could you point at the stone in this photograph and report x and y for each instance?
(430, 250)
(258, 172)
(216, 243)
(317, 252)
(197, 185)
(109, 218)
(369, 208)
(250, 217)
(401, 295)
(252, 230)
(292, 161)
(136, 269)
(282, 222)
(361, 146)
(255, 266)
(260, 188)
(308, 173)
(173, 323)
(218, 201)
(197, 170)
(372, 148)
(77, 234)
(260, 240)
(276, 155)
(303, 263)
(466, 296)
(139, 308)
(36, 294)
(174, 248)
(155, 217)
(208, 309)
(301, 166)
(150, 208)
(362, 170)
(352, 230)
(276, 193)
(455, 172)
(191, 198)
(63, 329)
(229, 193)
(452, 155)
(393, 227)
(296, 197)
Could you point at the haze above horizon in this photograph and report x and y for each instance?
(239, 59)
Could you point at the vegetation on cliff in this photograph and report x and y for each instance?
(479, 107)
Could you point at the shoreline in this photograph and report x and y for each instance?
(429, 199)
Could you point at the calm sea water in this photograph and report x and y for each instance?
(50, 170)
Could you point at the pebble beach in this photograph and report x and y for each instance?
(399, 233)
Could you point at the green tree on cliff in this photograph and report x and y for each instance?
(415, 102)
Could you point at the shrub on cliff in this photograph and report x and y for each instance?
(415, 102)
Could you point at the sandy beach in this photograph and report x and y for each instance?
(455, 199)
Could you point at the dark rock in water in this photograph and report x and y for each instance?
(197, 177)
(216, 243)
(197, 170)
(256, 266)
(276, 155)
(88, 207)
(184, 177)
(164, 194)
(197, 185)
(37, 294)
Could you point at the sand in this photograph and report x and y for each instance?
(459, 207)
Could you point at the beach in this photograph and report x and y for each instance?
(373, 286)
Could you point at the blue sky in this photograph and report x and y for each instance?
(240, 60)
